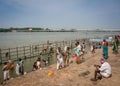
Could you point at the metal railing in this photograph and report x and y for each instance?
(32, 50)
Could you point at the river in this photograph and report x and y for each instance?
(18, 39)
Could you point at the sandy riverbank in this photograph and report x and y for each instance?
(73, 74)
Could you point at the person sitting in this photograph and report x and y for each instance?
(102, 71)
(38, 63)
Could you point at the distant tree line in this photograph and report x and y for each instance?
(33, 30)
(20, 29)
(4, 30)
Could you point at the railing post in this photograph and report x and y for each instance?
(0, 56)
(24, 50)
(33, 50)
(9, 53)
(60, 45)
(38, 50)
(63, 44)
(17, 51)
(43, 46)
(56, 45)
(69, 44)
(30, 51)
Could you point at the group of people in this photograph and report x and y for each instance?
(63, 57)
(9, 67)
(105, 69)
(6, 68)
(115, 47)
(37, 63)
(79, 51)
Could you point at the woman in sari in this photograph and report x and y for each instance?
(77, 50)
(115, 45)
(105, 49)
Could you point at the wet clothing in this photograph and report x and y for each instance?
(19, 67)
(59, 60)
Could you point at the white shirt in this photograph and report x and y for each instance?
(65, 48)
(79, 47)
(106, 68)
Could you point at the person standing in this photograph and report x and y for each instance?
(21, 67)
(60, 62)
(93, 48)
(67, 56)
(115, 45)
(105, 49)
(77, 52)
(0, 56)
(5, 70)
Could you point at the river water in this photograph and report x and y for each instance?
(18, 39)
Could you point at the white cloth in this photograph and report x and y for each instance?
(79, 47)
(17, 69)
(59, 61)
(105, 69)
(65, 48)
(6, 74)
(38, 64)
(91, 48)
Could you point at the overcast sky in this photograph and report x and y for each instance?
(60, 14)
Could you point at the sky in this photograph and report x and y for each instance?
(60, 14)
